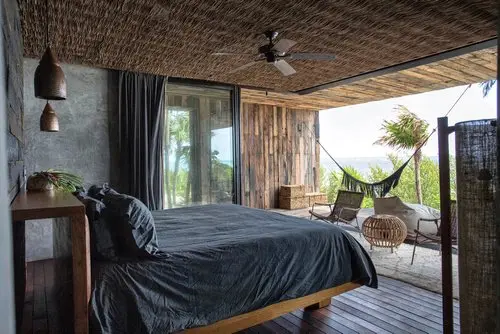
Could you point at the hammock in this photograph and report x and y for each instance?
(381, 188)
(376, 189)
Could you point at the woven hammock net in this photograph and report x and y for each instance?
(377, 189)
(477, 177)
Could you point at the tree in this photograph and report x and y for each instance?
(408, 132)
(487, 86)
(178, 145)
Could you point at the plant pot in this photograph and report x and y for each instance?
(38, 183)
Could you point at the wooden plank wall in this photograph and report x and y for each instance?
(278, 146)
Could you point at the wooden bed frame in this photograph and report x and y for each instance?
(313, 301)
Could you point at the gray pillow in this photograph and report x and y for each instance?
(99, 192)
(134, 225)
(102, 244)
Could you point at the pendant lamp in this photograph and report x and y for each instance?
(48, 120)
(50, 83)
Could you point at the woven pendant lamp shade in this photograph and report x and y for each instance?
(477, 177)
(48, 120)
(50, 83)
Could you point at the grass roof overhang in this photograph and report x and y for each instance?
(469, 68)
(176, 38)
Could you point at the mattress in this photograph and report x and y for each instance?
(220, 261)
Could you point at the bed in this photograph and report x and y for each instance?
(223, 265)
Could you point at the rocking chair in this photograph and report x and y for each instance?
(344, 210)
(436, 237)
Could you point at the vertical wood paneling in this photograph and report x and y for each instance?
(278, 146)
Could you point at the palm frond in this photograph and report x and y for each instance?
(63, 180)
(487, 86)
(407, 132)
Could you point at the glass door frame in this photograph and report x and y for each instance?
(235, 105)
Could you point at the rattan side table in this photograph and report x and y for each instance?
(384, 231)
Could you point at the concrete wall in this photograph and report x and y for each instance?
(13, 60)
(11, 99)
(81, 146)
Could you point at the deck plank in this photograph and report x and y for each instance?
(386, 323)
(406, 317)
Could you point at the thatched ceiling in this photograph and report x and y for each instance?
(473, 67)
(176, 37)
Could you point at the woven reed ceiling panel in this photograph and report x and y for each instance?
(469, 68)
(176, 37)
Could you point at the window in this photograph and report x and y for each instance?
(199, 146)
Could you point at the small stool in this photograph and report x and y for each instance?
(384, 231)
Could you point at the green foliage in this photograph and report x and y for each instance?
(406, 187)
(177, 144)
(62, 180)
(221, 179)
(408, 132)
(332, 183)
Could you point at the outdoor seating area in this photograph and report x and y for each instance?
(417, 264)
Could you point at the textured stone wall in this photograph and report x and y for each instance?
(81, 146)
(13, 61)
(12, 64)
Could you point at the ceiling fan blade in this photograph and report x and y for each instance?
(231, 54)
(244, 66)
(284, 67)
(311, 56)
(283, 45)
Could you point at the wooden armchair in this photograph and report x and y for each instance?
(436, 237)
(344, 210)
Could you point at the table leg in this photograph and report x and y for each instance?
(81, 272)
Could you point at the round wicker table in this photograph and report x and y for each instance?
(384, 231)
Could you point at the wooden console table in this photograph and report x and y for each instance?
(54, 204)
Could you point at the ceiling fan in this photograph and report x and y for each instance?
(275, 52)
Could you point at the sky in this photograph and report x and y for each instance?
(349, 132)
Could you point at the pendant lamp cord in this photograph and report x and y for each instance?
(47, 23)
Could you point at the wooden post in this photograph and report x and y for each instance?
(81, 271)
(444, 197)
(318, 305)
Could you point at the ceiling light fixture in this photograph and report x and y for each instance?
(50, 83)
(48, 120)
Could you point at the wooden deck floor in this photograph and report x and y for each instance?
(395, 307)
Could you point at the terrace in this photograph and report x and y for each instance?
(424, 273)
(186, 103)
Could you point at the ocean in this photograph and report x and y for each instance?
(361, 164)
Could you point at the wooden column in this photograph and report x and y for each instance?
(81, 271)
(444, 194)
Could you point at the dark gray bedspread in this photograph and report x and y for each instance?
(223, 260)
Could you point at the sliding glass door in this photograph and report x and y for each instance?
(199, 146)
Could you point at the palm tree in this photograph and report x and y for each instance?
(487, 86)
(408, 132)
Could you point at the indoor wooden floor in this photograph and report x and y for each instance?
(395, 307)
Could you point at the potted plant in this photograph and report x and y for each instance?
(50, 179)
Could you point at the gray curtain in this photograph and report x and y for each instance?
(141, 100)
